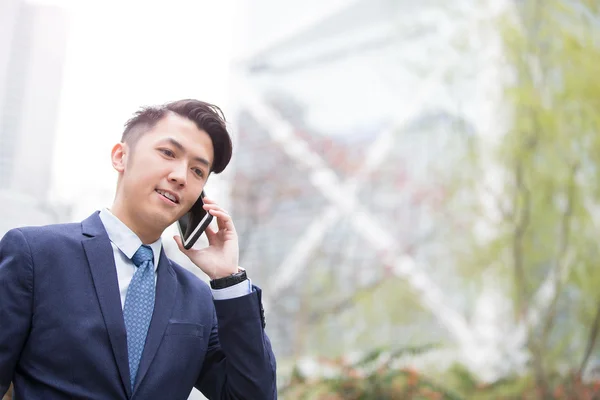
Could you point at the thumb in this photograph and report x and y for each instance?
(179, 243)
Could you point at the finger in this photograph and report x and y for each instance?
(221, 217)
(210, 235)
(223, 220)
(214, 207)
(179, 243)
(208, 200)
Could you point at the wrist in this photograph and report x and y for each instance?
(221, 282)
(224, 274)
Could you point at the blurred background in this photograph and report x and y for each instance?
(415, 184)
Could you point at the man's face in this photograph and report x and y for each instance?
(165, 171)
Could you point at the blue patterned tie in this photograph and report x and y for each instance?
(139, 305)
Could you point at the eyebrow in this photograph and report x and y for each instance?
(182, 149)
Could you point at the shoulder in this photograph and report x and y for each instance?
(41, 237)
(52, 232)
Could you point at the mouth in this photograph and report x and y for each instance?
(172, 197)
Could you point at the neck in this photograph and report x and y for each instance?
(142, 229)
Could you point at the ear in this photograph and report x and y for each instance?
(118, 156)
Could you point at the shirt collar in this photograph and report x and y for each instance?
(124, 238)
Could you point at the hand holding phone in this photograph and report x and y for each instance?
(220, 259)
(193, 223)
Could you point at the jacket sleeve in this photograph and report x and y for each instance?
(16, 302)
(239, 362)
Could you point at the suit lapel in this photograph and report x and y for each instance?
(166, 291)
(100, 257)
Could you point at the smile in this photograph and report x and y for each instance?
(170, 196)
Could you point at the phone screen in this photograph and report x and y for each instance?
(193, 223)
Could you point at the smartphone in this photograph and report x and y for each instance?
(194, 223)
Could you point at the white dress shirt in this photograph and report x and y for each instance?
(125, 243)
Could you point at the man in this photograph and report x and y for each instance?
(95, 310)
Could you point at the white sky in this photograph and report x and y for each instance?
(123, 54)
(120, 58)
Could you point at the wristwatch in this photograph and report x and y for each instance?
(227, 281)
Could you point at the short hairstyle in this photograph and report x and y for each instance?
(207, 117)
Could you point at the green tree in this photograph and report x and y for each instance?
(545, 243)
(542, 252)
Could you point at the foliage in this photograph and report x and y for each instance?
(372, 377)
(543, 253)
(387, 381)
(549, 160)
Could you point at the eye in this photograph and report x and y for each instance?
(199, 172)
(167, 152)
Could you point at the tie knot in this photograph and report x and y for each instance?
(143, 254)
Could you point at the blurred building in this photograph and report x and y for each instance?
(33, 39)
(9, 10)
(370, 102)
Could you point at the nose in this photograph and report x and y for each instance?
(178, 174)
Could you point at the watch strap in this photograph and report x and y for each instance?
(227, 281)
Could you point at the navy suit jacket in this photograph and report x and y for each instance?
(62, 333)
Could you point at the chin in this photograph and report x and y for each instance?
(158, 219)
(170, 222)
(165, 220)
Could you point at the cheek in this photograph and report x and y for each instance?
(137, 186)
(187, 206)
(144, 173)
